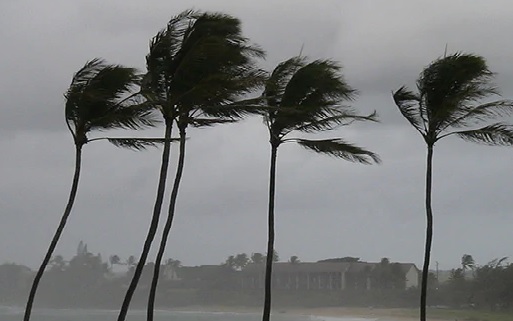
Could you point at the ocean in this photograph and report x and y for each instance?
(16, 314)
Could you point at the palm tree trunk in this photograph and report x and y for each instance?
(167, 227)
(58, 232)
(270, 238)
(429, 234)
(153, 224)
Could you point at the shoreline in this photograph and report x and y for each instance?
(380, 314)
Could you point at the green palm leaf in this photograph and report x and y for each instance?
(333, 122)
(473, 115)
(498, 134)
(339, 148)
(209, 122)
(138, 143)
(409, 106)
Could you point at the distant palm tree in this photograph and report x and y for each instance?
(96, 100)
(197, 68)
(294, 259)
(230, 262)
(447, 102)
(467, 262)
(257, 258)
(306, 97)
(241, 260)
(114, 259)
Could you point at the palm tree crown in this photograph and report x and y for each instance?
(197, 65)
(306, 97)
(100, 98)
(448, 99)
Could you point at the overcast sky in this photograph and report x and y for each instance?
(324, 207)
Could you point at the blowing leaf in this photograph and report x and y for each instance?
(338, 148)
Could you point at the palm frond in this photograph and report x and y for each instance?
(318, 83)
(477, 114)
(498, 134)
(338, 148)
(332, 122)
(279, 78)
(130, 117)
(409, 106)
(209, 122)
(138, 144)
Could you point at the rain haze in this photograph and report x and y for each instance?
(325, 207)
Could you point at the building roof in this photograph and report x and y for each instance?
(318, 267)
(301, 267)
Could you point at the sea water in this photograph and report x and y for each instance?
(16, 314)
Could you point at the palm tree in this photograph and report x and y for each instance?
(96, 100)
(305, 97)
(257, 258)
(294, 259)
(447, 103)
(114, 259)
(241, 260)
(230, 262)
(197, 68)
(467, 262)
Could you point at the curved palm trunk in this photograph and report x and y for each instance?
(429, 234)
(153, 224)
(167, 227)
(270, 238)
(57, 235)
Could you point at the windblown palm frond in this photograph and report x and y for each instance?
(333, 122)
(209, 122)
(278, 80)
(409, 106)
(317, 84)
(468, 116)
(138, 143)
(493, 135)
(339, 148)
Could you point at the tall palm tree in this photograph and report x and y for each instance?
(96, 100)
(197, 68)
(447, 103)
(306, 97)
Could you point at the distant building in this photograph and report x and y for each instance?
(333, 276)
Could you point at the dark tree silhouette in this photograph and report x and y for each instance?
(305, 97)
(197, 69)
(96, 100)
(447, 104)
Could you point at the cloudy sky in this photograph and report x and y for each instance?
(325, 207)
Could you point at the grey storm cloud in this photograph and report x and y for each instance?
(325, 207)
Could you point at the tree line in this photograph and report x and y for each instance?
(201, 71)
(488, 286)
